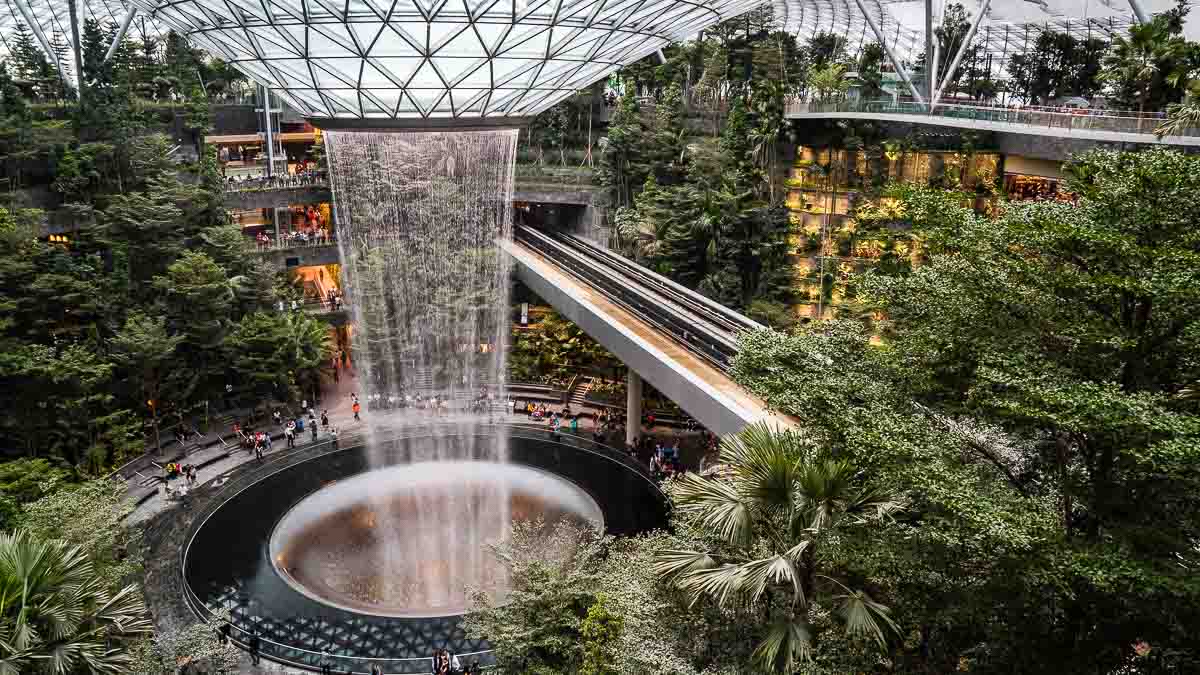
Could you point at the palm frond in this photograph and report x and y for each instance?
(670, 565)
(864, 616)
(718, 505)
(778, 570)
(725, 585)
(787, 644)
(766, 462)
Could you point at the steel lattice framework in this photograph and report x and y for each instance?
(434, 58)
(509, 58)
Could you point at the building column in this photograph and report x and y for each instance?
(633, 406)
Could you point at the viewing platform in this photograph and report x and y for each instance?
(1112, 126)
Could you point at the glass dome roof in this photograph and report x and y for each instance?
(509, 58)
(434, 58)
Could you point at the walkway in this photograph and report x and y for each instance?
(1105, 126)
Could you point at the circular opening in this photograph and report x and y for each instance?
(411, 540)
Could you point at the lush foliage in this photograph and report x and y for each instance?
(1151, 66)
(786, 496)
(127, 323)
(57, 615)
(1056, 66)
(539, 628)
(552, 350)
(1031, 397)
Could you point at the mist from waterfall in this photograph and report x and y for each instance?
(419, 214)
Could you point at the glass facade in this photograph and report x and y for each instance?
(428, 59)
(509, 58)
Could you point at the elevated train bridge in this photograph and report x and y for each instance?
(680, 341)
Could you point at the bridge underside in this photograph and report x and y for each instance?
(700, 389)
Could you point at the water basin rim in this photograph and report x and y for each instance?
(293, 522)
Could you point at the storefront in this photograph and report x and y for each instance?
(1028, 179)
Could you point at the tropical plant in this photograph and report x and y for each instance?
(1152, 65)
(57, 615)
(553, 571)
(829, 83)
(782, 496)
(1182, 116)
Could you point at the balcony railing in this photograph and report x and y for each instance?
(289, 241)
(1068, 119)
(289, 182)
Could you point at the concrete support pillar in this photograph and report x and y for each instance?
(633, 406)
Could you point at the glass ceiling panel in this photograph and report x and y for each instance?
(540, 50)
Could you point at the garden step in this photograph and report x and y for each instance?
(579, 396)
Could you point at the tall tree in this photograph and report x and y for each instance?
(951, 36)
(1151, 66)
(144, 347)
(198, 300)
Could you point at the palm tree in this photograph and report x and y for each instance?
(829, 82)
(1148, 59)
(780, 496)
(56, 614)
(1182, 116)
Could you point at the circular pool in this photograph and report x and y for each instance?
(362, 552)
(410, 540)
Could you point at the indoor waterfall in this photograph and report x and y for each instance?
(419, 214)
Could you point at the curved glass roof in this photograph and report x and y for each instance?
(1007, 28)
(434, 58)
(504, 58)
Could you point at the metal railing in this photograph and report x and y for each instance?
(289, 182)
(699, 325)
(310, 659)
(1069, 119)
(288, 241)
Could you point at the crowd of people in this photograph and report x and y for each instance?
(176, 470)
(292, 428)
(260, 181)
(314, 236)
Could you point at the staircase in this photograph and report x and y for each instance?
(579, 395)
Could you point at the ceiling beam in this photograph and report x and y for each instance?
(896, 63)
(26, 12)
(962, 49)
(125, 23)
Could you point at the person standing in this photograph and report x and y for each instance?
(326, 663)
(324, 419)
(289, 433)
(313, 426)
(255, 644)
(355, 408)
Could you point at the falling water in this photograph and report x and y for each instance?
(419, 214)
